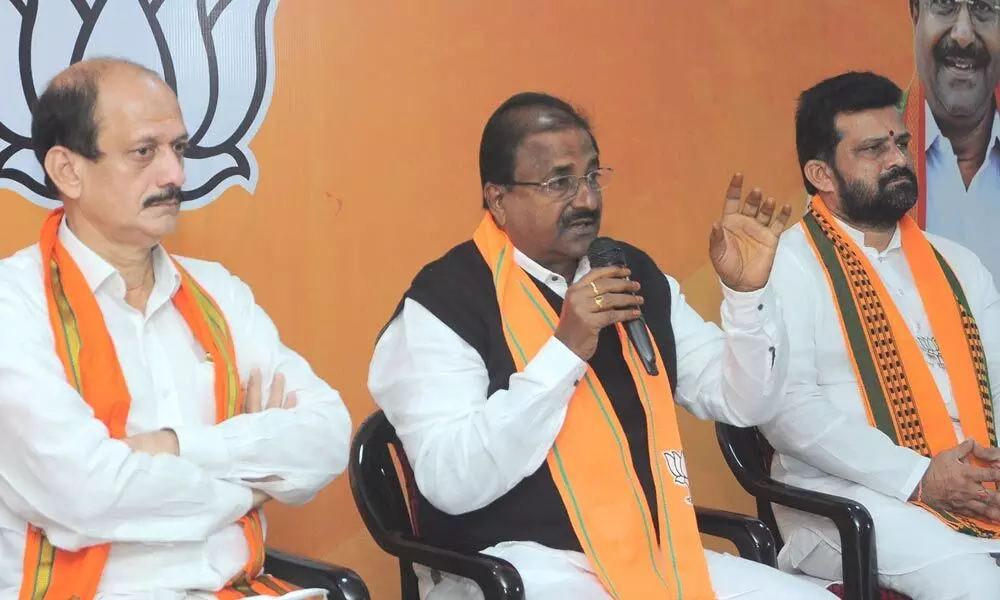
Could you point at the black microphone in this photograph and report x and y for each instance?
(605, 252)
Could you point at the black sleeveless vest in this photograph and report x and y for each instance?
(458, 289)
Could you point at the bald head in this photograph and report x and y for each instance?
(110, 136)
(67, 113)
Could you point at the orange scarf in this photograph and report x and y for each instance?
(591, 461)
(88, 355)
(900, 395)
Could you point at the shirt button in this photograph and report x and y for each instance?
(760, 307)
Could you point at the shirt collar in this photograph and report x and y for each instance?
(546, 276)
(895, 243)
(100, 273)
(932, 132)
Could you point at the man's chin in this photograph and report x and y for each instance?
(962, 94)
(577, 242)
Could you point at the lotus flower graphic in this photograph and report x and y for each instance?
(218, 55)
(678, 468)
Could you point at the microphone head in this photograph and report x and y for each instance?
(606, 252)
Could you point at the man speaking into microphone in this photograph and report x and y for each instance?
(536, 430)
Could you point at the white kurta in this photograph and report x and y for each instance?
(170, 520)
(821, 434)
(969, 216)
(467, 450)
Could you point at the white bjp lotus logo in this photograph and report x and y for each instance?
(678, 469)
(218, 55)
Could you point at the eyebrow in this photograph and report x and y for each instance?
(149, 140)
(561, 170)
(904, 136)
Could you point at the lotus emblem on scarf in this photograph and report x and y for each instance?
(218, 55)
(678, 468)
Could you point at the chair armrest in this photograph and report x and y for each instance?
(853, 521)
(341, 582)
(751, 536)
(498, 578)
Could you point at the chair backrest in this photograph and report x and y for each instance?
(749, 455)
(378, 492)
(375, 483)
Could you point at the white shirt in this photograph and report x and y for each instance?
(170, 519)
(968, 216)
(467, 450)
(821, 433)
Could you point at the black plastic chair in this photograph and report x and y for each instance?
(341, 582)
(383, 503)
(749, 457)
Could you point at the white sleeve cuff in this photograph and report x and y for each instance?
(746, 311)
(556, 366)
(918, 473)
(206, 447)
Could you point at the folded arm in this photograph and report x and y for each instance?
(60, 470)
(289, 453)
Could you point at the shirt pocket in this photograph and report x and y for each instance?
(203, 391)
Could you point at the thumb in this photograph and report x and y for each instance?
(964, 449)
(717, 241)
(985, 453)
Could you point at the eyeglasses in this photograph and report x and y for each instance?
(984, 12)
(567, 186)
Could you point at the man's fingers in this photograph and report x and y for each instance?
(606, 302)
(981, 474)
(617, 316)
(603, 273)
(766, 212)
(253, 400)
(610, 286)
(732, 203)
(981, 510)
(781, 219)
(958, 452)
(291, 400)
(985, 454)
(752, 204)
(277, 393)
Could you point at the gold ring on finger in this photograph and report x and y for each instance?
(599, 301)
(593, 285)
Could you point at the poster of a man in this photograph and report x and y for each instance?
(952, 108)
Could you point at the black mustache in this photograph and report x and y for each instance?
(898, 173)
(592, 215)
(949, 48)
(171, 194)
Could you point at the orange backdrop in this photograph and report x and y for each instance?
(368, 160)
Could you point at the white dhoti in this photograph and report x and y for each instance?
(549, 573)
(918, 555)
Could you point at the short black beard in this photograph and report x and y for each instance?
(878, 207)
